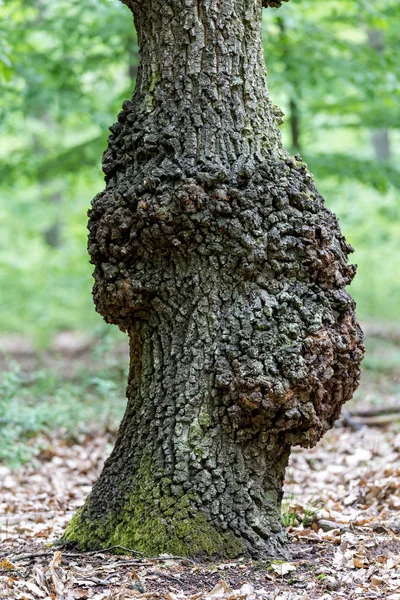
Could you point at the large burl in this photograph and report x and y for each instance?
(215, 252)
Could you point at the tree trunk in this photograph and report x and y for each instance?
(379, 136)
(214, 251)
(291, 76)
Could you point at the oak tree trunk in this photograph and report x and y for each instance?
(214, 251)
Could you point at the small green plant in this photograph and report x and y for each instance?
(310, 512)
(289, 513)
(41, 401)
(10, 385)
(294, 515)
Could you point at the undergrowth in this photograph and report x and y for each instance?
(39, 402)
(294, 515)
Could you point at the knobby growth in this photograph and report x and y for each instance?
(214, 251)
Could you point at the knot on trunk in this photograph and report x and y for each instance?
(293, 386)
(269, 260)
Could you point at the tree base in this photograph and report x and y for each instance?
(181, 536)
(153, 522)
(193, 537)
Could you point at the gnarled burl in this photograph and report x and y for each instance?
(214, 251)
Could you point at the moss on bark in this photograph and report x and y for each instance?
(153, 523)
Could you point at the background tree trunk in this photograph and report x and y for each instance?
(214, 251)
(380, 136)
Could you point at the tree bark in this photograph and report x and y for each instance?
(214, 251)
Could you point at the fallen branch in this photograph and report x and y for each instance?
(74, 554)
(378, 420)
(375, 412)
(371, 417)
(136, 561)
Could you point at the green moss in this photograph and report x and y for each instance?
(153, 522)
(179, 534)
(154, 80)
(85, 533)
(204, 418)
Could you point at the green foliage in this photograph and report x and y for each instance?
(37, 403)
(288, 515)
(337, 85)
(64, 71)
(65, 68)
(293, 517)
(373, 174)
(383, 357)
(10, 383)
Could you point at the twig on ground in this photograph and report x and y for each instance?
(73, 554)
(136, 561)
(27, 556)
(378, 420)
(95, 580)
(375, 412)
(117, 547)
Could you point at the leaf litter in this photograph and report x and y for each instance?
(341, 508)
(342, 498)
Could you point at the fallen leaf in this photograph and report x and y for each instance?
(360, 563)
(34, 588)
(283, 568)
(378, 581)
(220, 590)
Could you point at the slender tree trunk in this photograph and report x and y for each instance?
(381, 143)
(295, 124)
(380, 136)
(214, 251)
(53, 234)
(294, 109)
(133, 56)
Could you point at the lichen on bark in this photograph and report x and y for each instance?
(214, 251)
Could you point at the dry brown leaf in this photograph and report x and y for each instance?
(56, 560)
(133, 574)
(57, 574)
(246, 590)
(360, 563)
(172, 596)
(391, 563)
(6, 565)
(40, 579)
(80, 594)
(377, 581)
(220, 590)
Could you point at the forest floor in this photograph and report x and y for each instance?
(341, 505)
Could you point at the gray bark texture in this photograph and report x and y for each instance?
(214, 251)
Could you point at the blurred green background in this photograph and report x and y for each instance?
(67, 65)
(65, 68)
